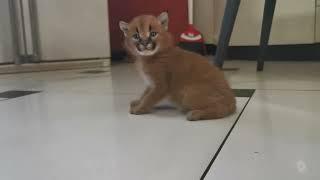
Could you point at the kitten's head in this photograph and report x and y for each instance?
(147, 35)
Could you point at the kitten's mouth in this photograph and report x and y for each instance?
(147, 50)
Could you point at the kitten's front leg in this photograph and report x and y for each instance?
(135, 103)
(153, 96)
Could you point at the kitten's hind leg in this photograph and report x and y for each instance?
(205, 105)
(216, 111)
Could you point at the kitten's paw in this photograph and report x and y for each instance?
(194, 115)
(134, 103)
(138, 110)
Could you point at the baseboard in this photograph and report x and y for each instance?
(297, 52)
(53, 66)
(117, 56)
(211, 49)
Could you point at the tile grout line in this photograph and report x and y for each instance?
(282, 89)
(224, 141)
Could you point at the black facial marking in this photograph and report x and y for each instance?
(153, 34)
(143, 44)
(136, 36)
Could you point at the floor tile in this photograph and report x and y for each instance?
(79, 127)
(91, 136)
(277, 137)
(287, 75)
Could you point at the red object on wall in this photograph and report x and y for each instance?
(125, 10)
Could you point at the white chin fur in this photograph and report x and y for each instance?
(147, 52)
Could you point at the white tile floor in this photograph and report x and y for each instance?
(78, 128)
(277, 137)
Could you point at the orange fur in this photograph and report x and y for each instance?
(186, 78)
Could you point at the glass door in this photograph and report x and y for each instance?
(18, 32)
(45, 30)
(7, 52)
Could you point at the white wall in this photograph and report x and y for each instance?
(204, 18)
(293, 22)
(218, 11)
(73, 29)
(6, 50)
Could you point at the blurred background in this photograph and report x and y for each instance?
(43, 31)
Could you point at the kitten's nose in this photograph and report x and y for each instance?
(141, 47)
(149, 46)
(145, 42)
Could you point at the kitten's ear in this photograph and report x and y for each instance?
(124, 27)
(164, 19)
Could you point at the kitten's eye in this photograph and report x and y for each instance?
(153, 34)
(136, 36)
